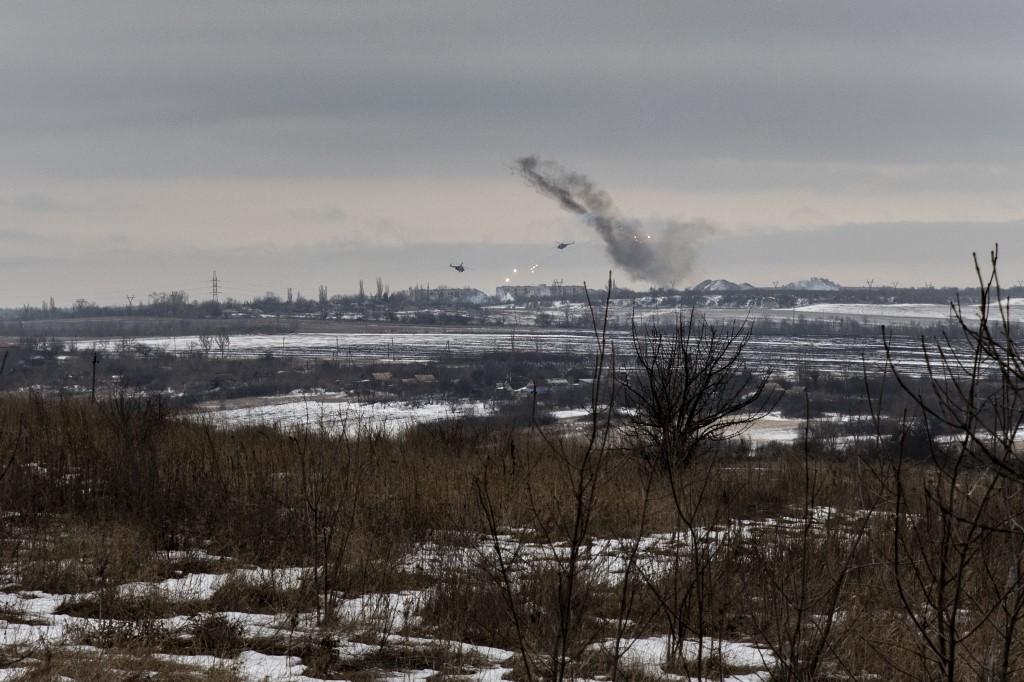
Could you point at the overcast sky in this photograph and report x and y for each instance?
(144, 144)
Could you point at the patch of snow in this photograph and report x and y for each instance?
(393, 610)
(409, 676)
(252, 665)
(347, 417)
(191, 586)
(652, 653)
(721, 285)
(205, 662)
(34, 603)
(489, 653)
(570, 414)
(490, 675)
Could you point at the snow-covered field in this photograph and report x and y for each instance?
(916, 311)
(902, 311)
(41, 628)
(35, 624)
(335, 414)
(774, 428)
(829, 354)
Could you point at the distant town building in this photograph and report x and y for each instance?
(556, 289)
(421, 295)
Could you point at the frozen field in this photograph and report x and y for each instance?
(828, 354)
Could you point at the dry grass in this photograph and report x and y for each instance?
(262, 593)
(99, 494)
(119, 666)
(216, 634)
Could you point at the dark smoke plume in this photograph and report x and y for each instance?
(659, 255)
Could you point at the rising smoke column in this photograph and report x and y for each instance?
(661, 256)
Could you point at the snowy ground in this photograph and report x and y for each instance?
(902, 311)
(827, 354)
(32, 626)
(775, 428)
(335, 414)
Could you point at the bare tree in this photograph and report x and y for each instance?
(958, 540)
(322, 301)
(689, 391)
(692, 388)
(222, 340)
(205, 342)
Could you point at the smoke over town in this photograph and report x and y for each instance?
(660, 253)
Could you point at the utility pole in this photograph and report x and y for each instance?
(95, 361)
(215, 287)
(131, 298)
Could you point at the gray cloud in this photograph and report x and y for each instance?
(33, 202)
(329, 214)
(310, 88)
(912, 253)
(18, 236)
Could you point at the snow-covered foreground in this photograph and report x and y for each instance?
(34, 625)
(30, 622)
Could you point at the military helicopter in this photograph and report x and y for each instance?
(458, 268)
(562, 246)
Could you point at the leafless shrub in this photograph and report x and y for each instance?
(216, 634)
(566, 537)
(222, 340)
(958, 540)
(805, 575)
(262, 592)
(691, 388)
